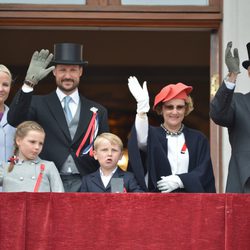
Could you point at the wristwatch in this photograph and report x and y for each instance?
(29, 83)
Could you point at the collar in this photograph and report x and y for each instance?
(35, 161)
(74, 95)
(111, 174)
(173, 133)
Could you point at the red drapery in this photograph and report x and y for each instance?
(51, 221)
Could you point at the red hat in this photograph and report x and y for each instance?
(173, 91)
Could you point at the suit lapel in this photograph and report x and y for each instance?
(118, 173)
(84, 119)
(96, 179)
(55, 107)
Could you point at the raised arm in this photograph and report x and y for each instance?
(20, 107)
(141, 121)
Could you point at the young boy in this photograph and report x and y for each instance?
(108, 151)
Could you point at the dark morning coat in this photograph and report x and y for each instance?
(93, 182)
(200, 177)
(48, 112)
(232, 110)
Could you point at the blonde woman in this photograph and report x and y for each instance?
(6, 131)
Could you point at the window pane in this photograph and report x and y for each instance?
(44, 1)
(166, 2)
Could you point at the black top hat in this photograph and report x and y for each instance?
(68, 54)
(246, 64)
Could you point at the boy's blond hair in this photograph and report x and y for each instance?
(112, 138)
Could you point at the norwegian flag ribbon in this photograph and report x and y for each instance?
(91, 132)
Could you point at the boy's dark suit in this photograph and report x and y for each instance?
(93, 182)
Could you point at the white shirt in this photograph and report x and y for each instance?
(106, 178)
(178, 158)
(229, 85)
(73, 104)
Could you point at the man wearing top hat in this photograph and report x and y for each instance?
(71, 121)
(232, 110)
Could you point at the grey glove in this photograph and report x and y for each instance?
(37, 68)
(232, 62)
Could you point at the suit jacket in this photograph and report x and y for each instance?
(200, 177)
(48, 112)
(93, 182)
(232, 110)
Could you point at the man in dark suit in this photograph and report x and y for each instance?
(108, 151)
(71, 121)
(232, 110)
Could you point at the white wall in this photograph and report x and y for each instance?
(236, 28)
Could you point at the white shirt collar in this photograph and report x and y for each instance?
(106, 178)
(111, 174)
(74, 95)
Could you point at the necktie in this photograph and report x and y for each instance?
(67, 111)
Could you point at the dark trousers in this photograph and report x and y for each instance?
(71, 182)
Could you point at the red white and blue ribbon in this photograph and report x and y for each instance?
(91, 134)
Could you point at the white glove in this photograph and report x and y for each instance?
(169, 183)
(140, 94)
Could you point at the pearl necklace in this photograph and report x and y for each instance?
(173, 133)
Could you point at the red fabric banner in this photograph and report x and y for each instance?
(51, 221)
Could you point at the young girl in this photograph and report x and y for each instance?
(26, 171)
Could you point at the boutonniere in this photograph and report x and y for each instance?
(94, 109)
(91, 133)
